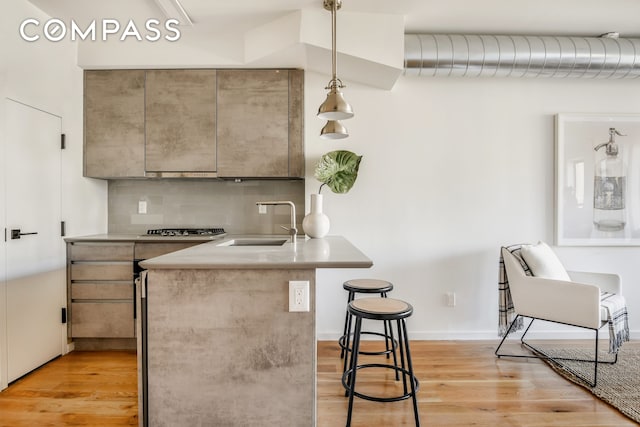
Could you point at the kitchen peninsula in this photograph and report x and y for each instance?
(217, 342)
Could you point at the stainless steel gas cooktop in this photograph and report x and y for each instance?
(181, 232)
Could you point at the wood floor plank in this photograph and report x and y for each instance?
(78, 389)
(461, 384)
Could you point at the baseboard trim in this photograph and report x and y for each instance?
(104, 344)
(487, 335)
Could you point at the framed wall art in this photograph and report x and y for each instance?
(597, 179)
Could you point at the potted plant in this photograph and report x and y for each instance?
(337, 170)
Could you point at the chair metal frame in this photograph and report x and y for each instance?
(541, 354)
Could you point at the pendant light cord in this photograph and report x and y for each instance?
(334, 50)
(335, 82)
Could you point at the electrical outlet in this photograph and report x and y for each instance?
(451, 299)
(142, 206)
(298, 295)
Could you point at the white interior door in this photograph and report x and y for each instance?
(35, 256)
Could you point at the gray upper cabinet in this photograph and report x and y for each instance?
(224, 123)
(296, 123)
(181, 121)
(114, 123)
(260, 123)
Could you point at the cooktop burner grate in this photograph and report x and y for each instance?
(186, 231)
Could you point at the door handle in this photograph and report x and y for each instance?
(15, 234)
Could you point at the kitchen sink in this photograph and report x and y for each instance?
(254, 242)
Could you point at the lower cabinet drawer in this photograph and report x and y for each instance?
(102, 271)
(100, 251)
(96, 290)
(102, 320)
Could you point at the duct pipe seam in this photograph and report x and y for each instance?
(521, 56)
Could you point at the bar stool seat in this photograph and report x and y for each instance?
(365, 286)
(386, 310)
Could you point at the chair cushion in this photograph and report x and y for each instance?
(543, 262)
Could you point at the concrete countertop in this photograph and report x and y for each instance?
(328, 252)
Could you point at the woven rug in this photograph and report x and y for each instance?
(618, 384)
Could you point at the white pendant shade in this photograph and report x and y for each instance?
(334, 130)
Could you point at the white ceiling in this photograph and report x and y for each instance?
(532, 17)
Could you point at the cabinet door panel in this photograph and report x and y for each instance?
(296, 123)
(102, 320)
(253, 123)
(114, 123)
(181, 120)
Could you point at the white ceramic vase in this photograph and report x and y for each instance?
(316, 224)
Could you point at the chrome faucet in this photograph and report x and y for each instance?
(293, 231)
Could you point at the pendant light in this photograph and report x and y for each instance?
(334, 130)
(334, 107)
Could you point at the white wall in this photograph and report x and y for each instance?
(454, 168)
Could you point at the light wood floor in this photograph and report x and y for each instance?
(461, 384)
(79, 389)
(464, 384)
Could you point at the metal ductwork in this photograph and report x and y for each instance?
(521, 56)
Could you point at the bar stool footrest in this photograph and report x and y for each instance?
(394, 344)
(376, 398)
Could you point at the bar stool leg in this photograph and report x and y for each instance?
(347, 327)
(386, 330)
(386, 339)
(348, 358)
(354, 364)
(347, 334)
(402, 344)
(410, 369)
(388, 333)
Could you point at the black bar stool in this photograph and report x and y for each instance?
(366, 286)
(387, 310)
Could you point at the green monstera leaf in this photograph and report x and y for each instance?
(338, 170)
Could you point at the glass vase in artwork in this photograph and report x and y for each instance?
(609, 186)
